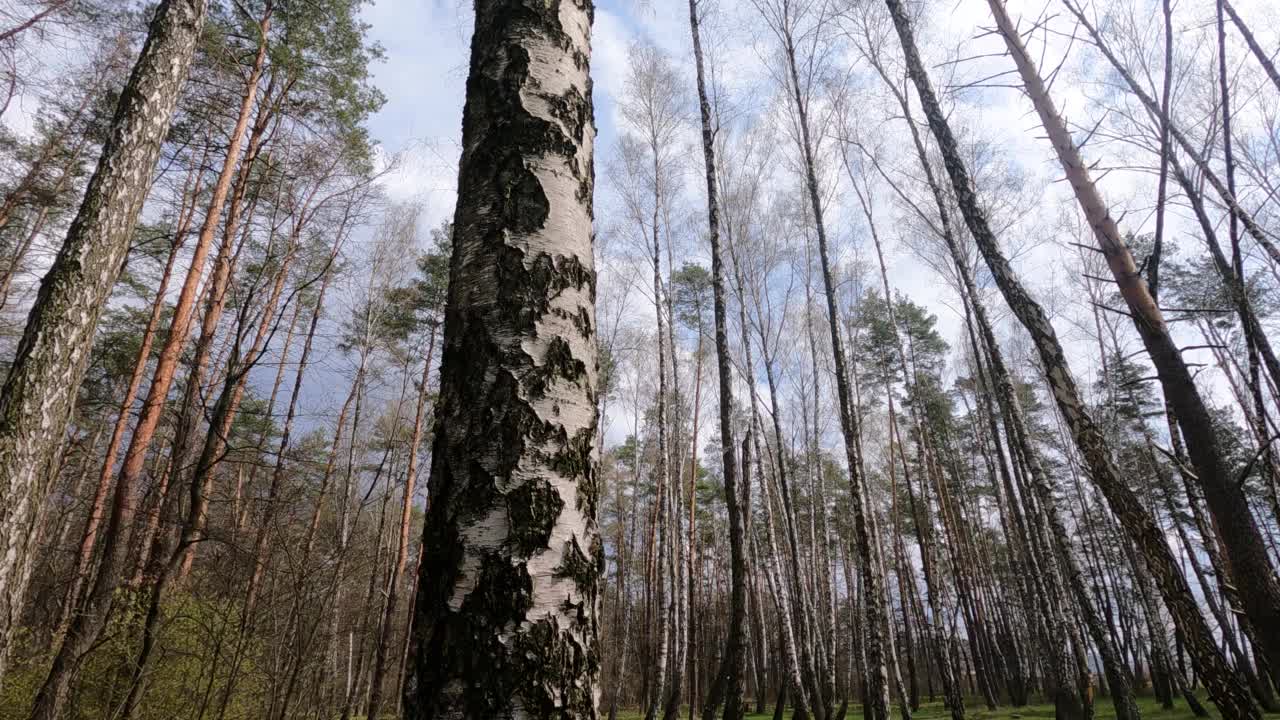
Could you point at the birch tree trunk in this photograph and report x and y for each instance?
(874, 644)
(662, 470)
(1260, 54)
(92, 614)
(506, 620)
(89, 538)
(729, 675)
(40, 390)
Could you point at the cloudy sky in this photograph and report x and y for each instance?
(423, 76)
(426, 44)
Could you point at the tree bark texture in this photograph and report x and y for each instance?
(507, 605)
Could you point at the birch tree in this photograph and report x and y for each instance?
(506, 619)
(40, 389)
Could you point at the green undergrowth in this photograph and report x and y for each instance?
(187, 673)
(1103, 710)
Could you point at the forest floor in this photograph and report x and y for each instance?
(976, 711)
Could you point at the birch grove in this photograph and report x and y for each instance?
(761, 359)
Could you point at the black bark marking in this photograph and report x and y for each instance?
(502, 442)
(532, 510)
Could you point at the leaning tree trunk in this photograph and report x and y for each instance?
(506, 620)
(1121, 691)
(1126, 707)
(729, 674)
(1191, 149)
(1247, 554)
(1261, 55)
(92, 613)
(41, 387)
(97, 507)
(1226, 689)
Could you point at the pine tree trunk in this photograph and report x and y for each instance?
(222, 415)
(91, 620)
(510, 529)
(40, 390)
(402, 546)
(89, 538)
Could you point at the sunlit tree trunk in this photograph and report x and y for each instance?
(92, 615)
(507, 605)
(97, 507)
(40, 389)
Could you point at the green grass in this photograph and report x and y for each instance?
(976, 710)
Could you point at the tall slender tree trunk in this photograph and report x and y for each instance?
(84, 555)
(40, 389)
(691, 648)
(386, 632)
(729, 674)
(92, 617)
(1255, 576)
(1226, 689)
(873, 587)
(510, 533)
(664, 549)
(865, 201)
(295, 636)
(785, 606)
(222, 416)
(1002, 387)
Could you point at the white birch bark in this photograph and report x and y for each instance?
(507, 603)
